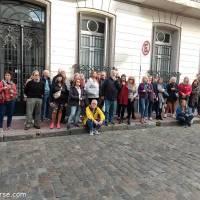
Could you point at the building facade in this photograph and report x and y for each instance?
(86, 34)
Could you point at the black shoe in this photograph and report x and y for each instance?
(120, 121)
(37, 127)
(113, 123)
(133, 117)
(76, 125)
(26, 128)
(106, 123)
(129, 122)
(68, 126)
(160, 117)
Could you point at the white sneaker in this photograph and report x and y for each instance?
(96, 132)
(165, 116)
(174, 116)
(91, 133)
(150, 118)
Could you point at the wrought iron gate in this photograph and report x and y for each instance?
(22, 44)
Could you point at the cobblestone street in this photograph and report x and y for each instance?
(148, 164)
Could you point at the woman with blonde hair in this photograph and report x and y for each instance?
(172, 90)
(132, 95)
(143, 98)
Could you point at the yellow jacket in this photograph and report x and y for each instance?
(96, 115)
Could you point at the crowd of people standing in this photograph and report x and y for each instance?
(96, 101)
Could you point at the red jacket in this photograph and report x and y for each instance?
(184, 89)
(1, 92)
(7, 94)
(123, 95)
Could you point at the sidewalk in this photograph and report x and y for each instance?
(18, 132)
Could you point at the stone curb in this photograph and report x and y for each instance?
(43, 133)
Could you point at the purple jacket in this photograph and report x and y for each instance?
(143, 90)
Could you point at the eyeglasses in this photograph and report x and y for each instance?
(36, 74)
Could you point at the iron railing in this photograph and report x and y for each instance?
(166, 75)
(86, 69)
(198, 1)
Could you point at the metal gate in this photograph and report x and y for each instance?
(22, 44)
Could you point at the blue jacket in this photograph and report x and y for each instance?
(49, 81)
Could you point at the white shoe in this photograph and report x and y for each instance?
(91, 133)
(1, 130)
(174, 115)
(96, 132)
(165, 116)
(150, 118)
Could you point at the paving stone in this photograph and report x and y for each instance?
(161, 163)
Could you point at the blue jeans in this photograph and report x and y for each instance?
(150, 108)
(184, 119)
(45, 106)
(92, 126)
(74, 115)
(110, 108)
(8, 108)
(144, 105)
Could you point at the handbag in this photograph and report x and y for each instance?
(57, 94)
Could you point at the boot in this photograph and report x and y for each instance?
(133, 116)
(59, 119)
(53, 120)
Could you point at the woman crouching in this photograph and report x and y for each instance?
(184, 114)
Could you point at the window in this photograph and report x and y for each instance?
(165, 52)
(94, 40)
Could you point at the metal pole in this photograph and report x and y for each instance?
(140, 77)
(22, 62)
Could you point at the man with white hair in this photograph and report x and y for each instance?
(94, 118)
(110, 89)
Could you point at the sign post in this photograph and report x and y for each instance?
(146, 47)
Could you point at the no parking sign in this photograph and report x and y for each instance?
(146, 48)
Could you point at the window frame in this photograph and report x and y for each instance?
(109, 38)
(175, 54)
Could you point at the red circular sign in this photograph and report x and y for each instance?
(146, 48)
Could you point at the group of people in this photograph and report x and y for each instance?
(97, 100)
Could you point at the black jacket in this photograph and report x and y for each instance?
(34, 89)
(110, 89)
(172, 93)
(74, 97)
(64, 93)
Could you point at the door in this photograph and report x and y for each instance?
(22, 44)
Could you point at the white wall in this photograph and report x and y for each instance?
(63, 35)
(133, 27)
